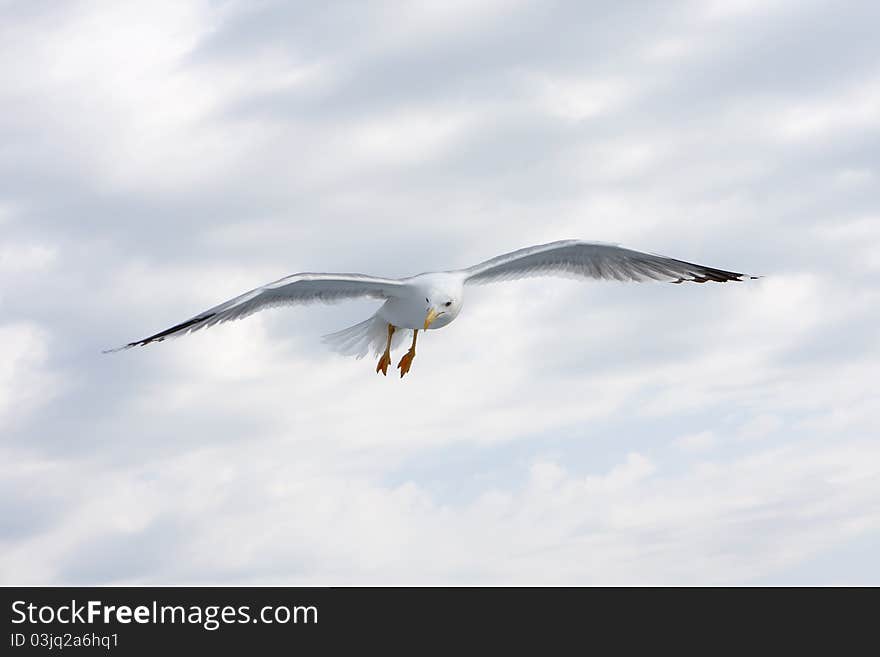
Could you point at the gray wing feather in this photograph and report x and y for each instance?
(579, 259)
(292, 290)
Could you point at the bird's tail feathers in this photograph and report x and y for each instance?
(367, 336)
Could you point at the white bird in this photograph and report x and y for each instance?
(433, 300)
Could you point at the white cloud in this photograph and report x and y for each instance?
(406, 138)
(720, 10)
(760, 425)
(577, 98)
(26, 383)
(855, 109)
(15, 258)
(309, 522)
(124, 102)
(696, 442)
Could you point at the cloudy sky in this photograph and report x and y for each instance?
(157, 158)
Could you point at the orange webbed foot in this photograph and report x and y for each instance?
(406, 362)
(384, 362)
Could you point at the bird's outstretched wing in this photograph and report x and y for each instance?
(578, 259)
(291, 290)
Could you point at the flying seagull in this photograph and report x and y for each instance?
(433, 300)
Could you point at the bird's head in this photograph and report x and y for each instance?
(441, 307)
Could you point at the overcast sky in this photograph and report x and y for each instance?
(157, 158)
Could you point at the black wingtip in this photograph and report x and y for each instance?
(139, 343)
(703, 274)
(159, 337)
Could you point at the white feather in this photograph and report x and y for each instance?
(369, 336)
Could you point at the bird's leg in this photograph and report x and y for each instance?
(385, 360)
(406, 362)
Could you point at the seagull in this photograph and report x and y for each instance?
(433, 300)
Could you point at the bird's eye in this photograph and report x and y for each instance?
(427, 300)
(447, 304)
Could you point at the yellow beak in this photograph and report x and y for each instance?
(429, 319)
